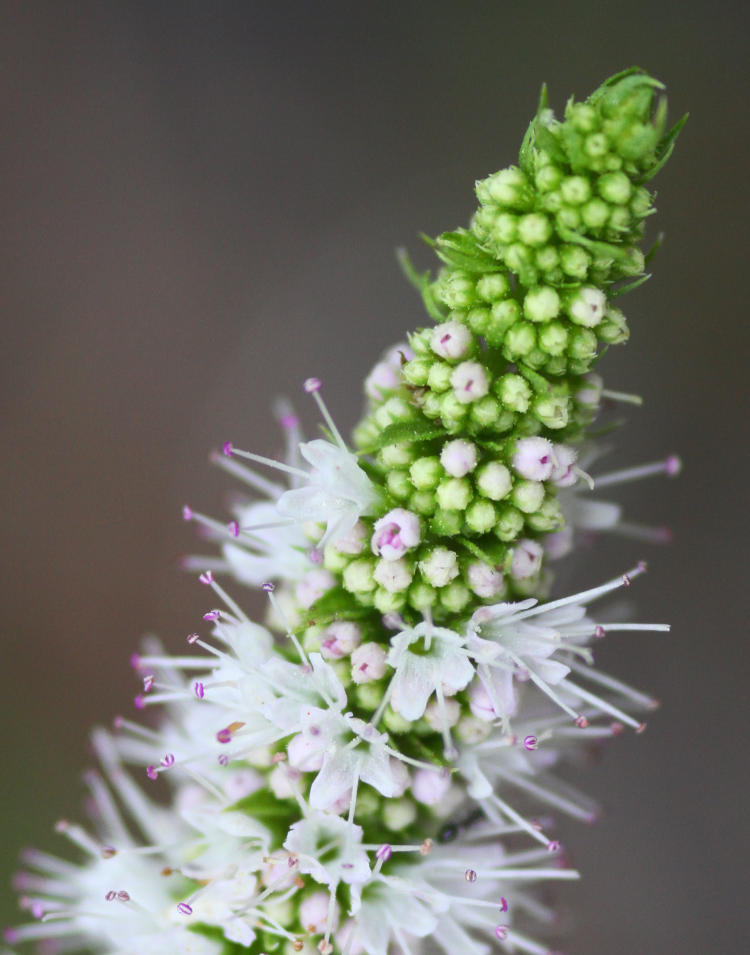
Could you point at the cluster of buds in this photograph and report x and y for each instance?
(372, 771)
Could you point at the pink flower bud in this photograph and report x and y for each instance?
(313, 585)
(527, 559)
(563, 471)
(429, 786)
(484, 580)
(451, 340)
(459, 457)
(313, 913)
(339, 639)
(395, 533)
(534, 458)
(368, 663)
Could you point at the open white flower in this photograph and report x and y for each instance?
(329, 849)
(427, 660)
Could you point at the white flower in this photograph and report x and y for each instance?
(337, 491)
(329, 849)
(438, 660)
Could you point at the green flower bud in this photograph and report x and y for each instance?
(548, 517)
(635, 262)
(396, 724)
(387, 601)
(557, 365)
(519, 340)
(528, 496)
(575, 190)
(426, 473)
(484, 413)
(415, 371)
(368, 802)
(586, 306)
(640, 204)
(446, 523)
(493, 286)
(504, 229)
(574, 261)
(596, 145)
(494, 480)
(398, 483)
(398, 814)
(582, 344)
(430, 404)
(454, 494)
(568, 218)
(619, 219)
(455, 289)
(439, 567)
(502, 316)
(548, 258)
(614, 187)
(509, 523)
(520, 259)
(452, 410)
(614, 329)
(439, 376)
(595, 214)
(508, 187)
(478, 319)
(393, 410)
(472, 730)
(396, 455)
(357, 576)
(552, 410)
(455, 596)
(333, 560)
(534, 229)
(394, 576)
(311, 639)
(582, 117)
(369, 695)
(514, 392)
(480, 517)
(547, 178)
(553, 338)
(422, 502)
(422, 595)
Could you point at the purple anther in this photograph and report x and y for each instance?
(206, 577)
(62, 825)
(234, 528)
(139, 702)
(184, 909)
(228, 449)
(642, 566)
(135, 661)
(503, 904)
(501, 932)
(581, 722)
(212, 615)
(187, 513)
(289, 421)
(37, 909)
(111, 895)
(641, 728)
(553, 846)
(384, 852)
(223, 759)
(148, 682)
(315, 556)
(599, 632)
(312, 385)
(199, 690)
(192, 638)
(123, 896)
(268, 587)
(470, 875)
(673, 465)
(107, 852)
(151, 772)
(168, 760)
(530, 743)
(626, 580)
(225, 735)
(117, 723)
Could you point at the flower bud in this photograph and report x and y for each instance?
(313, 585)
(508, 187)
(393, 575)
(541, 304)
(514, 392)
(527, 559)
(455, 596)
(368, 663)
(439, 376)
(575, 190)
(534, 229)
(314, 913)
(439, 567)
(494, 481)
(339, 639)
(587, 306)
(451, 341)
(485, 581)
(563, 473)
(614, 187)
(552, 410)
(398, 814)
(453, 494)
(426, 473)
(433, 714)
(429, 786)
(533, 458)
(395, 533)
(528, 496)
(493, 286)
(480, 517)
(469, 382)
(357, 576)
(458, 457)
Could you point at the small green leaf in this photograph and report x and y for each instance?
(613, 293)
(406, 432)
(422, 283)
(664, 149)
(335, 604)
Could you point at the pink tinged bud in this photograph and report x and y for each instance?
(199, 690)
(470, 875)
(228, 449)
(469, 382)
(313, 585)
(451, 340)
(151, 772)
(484, 580)
(395, 533)
(530, 743)
(393, 575)
(458, 457)
(501, 932)
(368, 663)
(187, 513)
(429, 786)
(564, 473)
(306, 753)
(533, 458)
(311, 385)
(383, 377)
(313, 912)
(480, 703)
(339, 639)
(527, 559)
(184, 909)
(559, 543)
(384, 852)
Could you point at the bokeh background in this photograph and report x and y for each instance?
(200, 207)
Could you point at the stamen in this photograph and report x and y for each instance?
(312, 386)
(671, 466)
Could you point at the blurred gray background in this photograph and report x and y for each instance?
(201, 203)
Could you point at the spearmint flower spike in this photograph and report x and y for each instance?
(374, 768)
